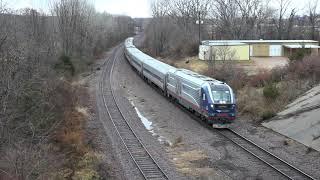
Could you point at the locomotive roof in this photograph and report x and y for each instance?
(196, 78)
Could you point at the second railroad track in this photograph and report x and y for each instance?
(139, 154)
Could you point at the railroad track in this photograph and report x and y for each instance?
(284, 168)
(139, 154)
(281, 166)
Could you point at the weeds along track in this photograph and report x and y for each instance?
(139, 154)
(283, 167)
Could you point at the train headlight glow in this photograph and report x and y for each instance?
(212, 106)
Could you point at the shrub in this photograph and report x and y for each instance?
(228, 72)
(308, 68)
(261, 79)
(250, 102)
(278, 74)
(65, 65)
(299, 54)
(268, 115)
(271, 91)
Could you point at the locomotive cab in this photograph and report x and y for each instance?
(218, 101)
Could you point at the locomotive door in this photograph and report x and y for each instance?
(178, 86)
(204, 100)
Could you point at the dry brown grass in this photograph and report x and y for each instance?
(81, 162)
(72, 134)
(189, 162)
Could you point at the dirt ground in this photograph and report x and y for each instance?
(269, 62)
(254, 66)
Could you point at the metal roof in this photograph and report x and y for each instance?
(225, 43)
(213, 42)
(300, 46)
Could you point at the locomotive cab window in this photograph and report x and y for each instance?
(221, 94)
(221, 97)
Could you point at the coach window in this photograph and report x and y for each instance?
(204, 97)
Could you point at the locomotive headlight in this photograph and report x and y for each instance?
(212, 106)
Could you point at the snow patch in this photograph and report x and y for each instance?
(147, 124)
(151, 127)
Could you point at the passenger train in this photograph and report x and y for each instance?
(210, 99)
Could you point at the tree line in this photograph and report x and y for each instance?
(174, 29)
(36, 93)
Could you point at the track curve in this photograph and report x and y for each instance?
(139, 154)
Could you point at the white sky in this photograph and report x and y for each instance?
(133, 8)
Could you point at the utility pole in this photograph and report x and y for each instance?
(199, 28)
(199, 22)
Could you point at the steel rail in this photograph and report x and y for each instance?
(137, 151)
(283, 167)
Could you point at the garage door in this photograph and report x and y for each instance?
(261, 50)
(275, 50)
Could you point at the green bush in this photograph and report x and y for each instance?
(65, 65)
(268, 115)
(271, 91)
(299, 54)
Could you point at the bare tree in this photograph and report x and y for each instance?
(237, 19)
(280, 21)
(313, 16)
(290, 23)
(33, 99)
(225, 53)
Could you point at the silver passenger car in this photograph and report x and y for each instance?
(156, 72)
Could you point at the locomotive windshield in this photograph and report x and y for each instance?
(221, 94)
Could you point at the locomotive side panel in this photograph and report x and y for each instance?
(172, 85)
(190, 94)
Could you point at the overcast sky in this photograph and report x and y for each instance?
(133, 8)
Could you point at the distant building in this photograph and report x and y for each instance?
(242, 50)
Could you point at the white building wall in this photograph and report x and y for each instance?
(275, 50)
(204, 52)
